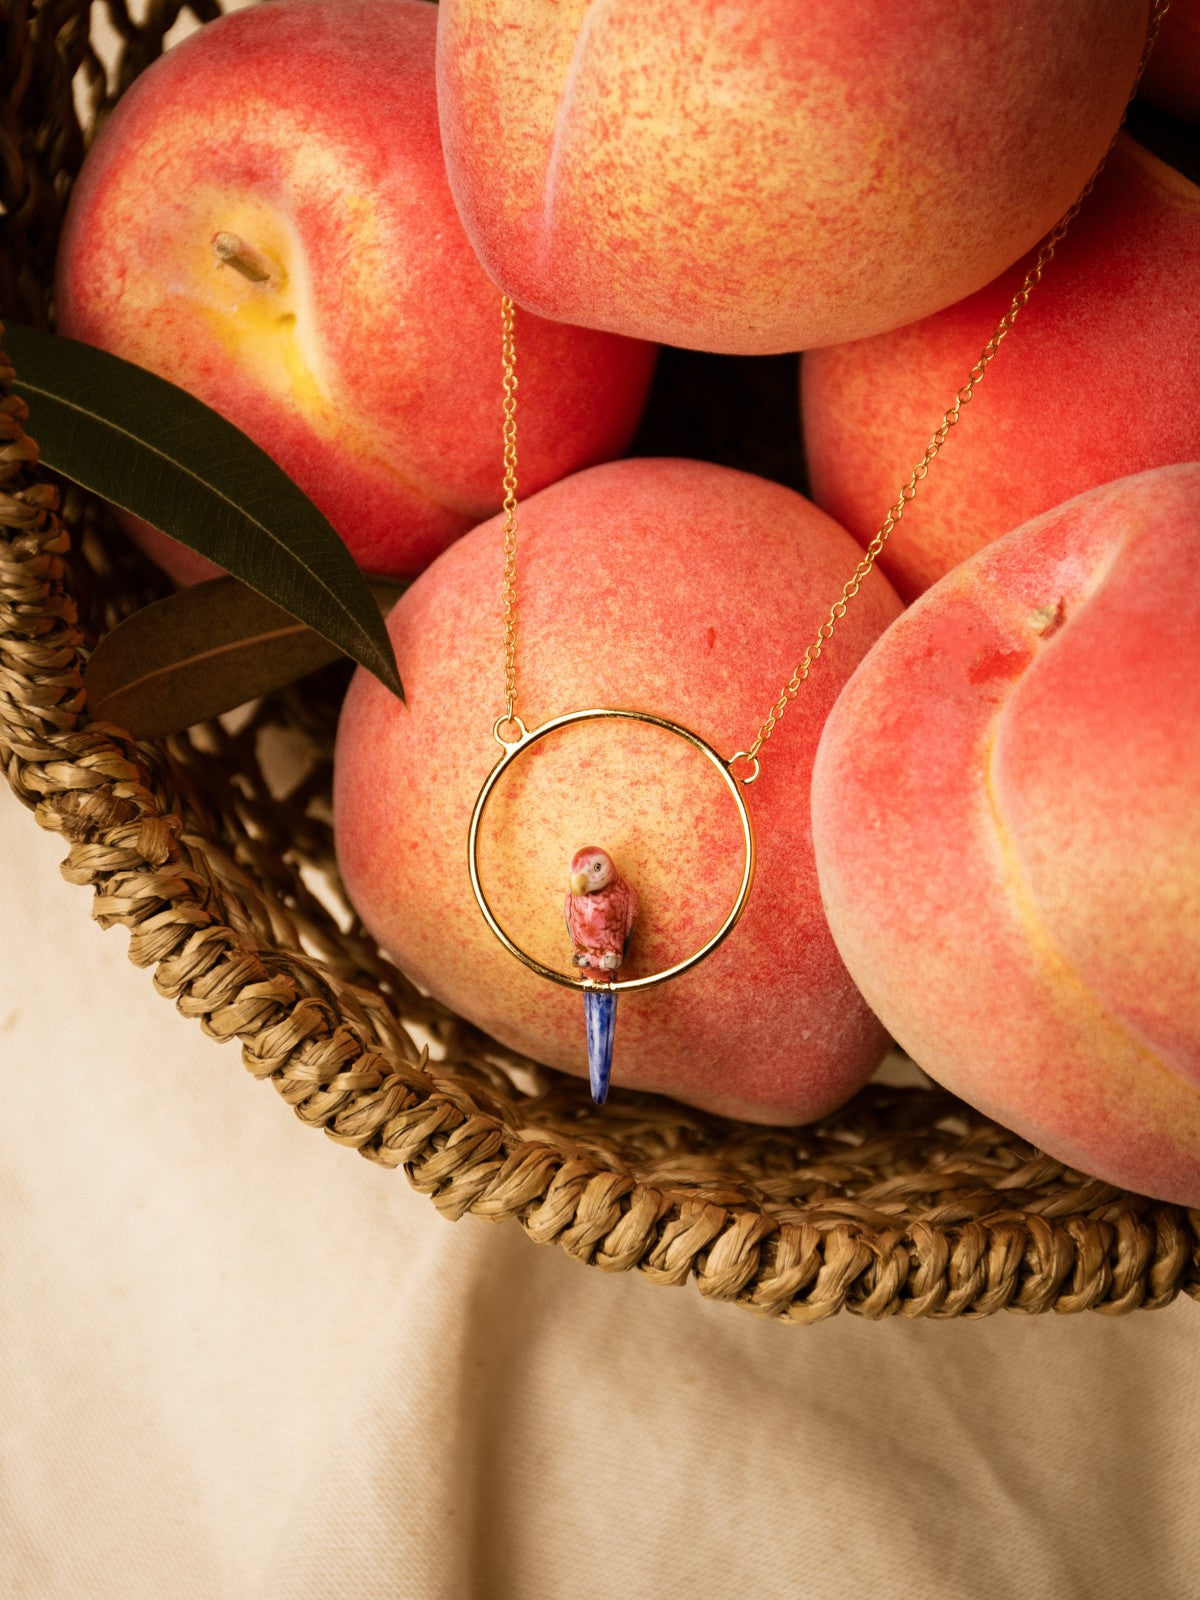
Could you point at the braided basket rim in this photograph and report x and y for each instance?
(905, 1202)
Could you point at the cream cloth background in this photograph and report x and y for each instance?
(239, 1363)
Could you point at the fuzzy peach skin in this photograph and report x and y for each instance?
(1094, 382)
(760, 175)
(674, 587)
(368, 361)
(1172, 78)
(1006, 814)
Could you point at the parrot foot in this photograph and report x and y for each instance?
(610, 961)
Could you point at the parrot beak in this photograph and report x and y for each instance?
(578, 882)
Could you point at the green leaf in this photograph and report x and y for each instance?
(202, 651)
(158, 452)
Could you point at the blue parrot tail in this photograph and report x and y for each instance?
(600, 1013)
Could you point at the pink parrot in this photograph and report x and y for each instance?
(601, 909)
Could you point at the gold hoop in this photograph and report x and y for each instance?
(527, 738)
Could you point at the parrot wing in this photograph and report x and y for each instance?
(608, 926)
(602, 921)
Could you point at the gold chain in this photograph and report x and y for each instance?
(510, 508)
(838, 609)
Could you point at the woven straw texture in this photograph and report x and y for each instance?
(906, 1202)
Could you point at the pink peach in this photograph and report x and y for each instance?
(757, 175)
(674, 587)
(1094, 382)
(1006, 815)
(362, 350)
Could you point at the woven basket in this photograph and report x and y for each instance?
(905, 1202)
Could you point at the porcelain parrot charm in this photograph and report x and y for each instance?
(601, 909)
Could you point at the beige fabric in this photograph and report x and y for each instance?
(237, 1361)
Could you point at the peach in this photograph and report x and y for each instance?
(1093, 383)
(674, 587)
(752, 176)
(1172, 77)
(1006, 816)
(265, 220)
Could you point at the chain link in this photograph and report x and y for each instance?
(510, 506)
(916, 477)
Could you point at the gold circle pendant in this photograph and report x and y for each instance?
(525, 740)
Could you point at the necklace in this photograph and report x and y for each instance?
(600, 908)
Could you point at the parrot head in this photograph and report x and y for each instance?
(591, 869)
